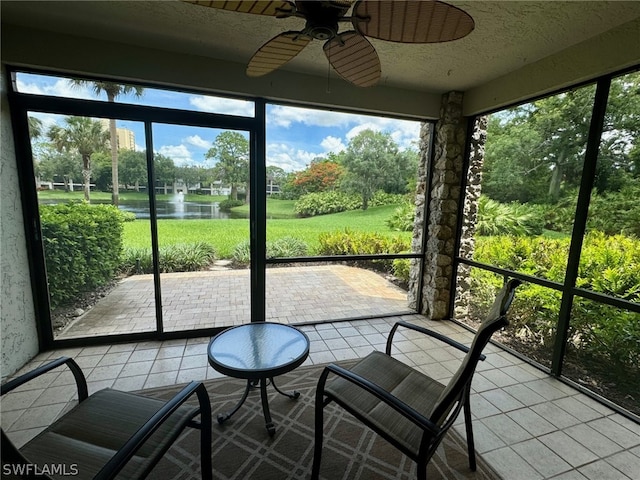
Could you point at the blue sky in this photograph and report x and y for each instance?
(295, 135)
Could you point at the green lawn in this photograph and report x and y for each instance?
(224, 235)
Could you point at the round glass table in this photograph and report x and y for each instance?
(258, 352)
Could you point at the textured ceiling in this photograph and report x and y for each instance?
(507, 35)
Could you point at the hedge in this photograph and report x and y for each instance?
(609, 265)
(82, 245)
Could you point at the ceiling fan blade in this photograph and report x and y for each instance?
(271, 8)
(276, 52)
(411, 21)
(354, 58)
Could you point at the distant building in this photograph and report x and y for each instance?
(126, 139)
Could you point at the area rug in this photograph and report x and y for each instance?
(243, 450)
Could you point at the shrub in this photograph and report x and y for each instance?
(496, 218)
(287, 247)
(229, 204)
(323, 203)
(383, 198)
(242, 253)
(82, 245)
(609, 264)
(402, 218)
(184, 257)
(283, 247)
(348, 242)
(401, 268)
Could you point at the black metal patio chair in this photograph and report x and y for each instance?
(108, 434)
(404, 406)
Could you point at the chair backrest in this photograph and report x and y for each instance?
(495, 320)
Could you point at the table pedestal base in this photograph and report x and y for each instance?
(262, 383)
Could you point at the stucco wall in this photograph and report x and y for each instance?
(18, 336)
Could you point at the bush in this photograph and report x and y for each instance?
(185, 257)
(401, 268)
(227, 205)
(283, 247)
(402, 218)
(323, 203)
(362, 243)
(383, 198)
(82, 245)
(496, 218)
(609, 264)
(287, 247)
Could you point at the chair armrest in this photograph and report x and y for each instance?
(81, 382)
(426, 331)
(119, 460)
(395, 403)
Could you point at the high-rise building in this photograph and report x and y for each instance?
(126, 138)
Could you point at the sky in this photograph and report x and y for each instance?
(295, 136)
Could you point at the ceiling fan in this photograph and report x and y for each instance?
(350, 54)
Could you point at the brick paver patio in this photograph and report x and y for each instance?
(193, 300)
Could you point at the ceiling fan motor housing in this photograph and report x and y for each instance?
(322, 18)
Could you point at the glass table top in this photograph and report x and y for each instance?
(258, 349)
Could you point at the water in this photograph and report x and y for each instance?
(176, 208)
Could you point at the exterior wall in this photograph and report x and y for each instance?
(18, 339)
(447, 168)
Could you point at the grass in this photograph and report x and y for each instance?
(224, 235)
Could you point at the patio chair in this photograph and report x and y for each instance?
(108, 434)
(404, 406)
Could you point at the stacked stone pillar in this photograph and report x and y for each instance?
(446, 171)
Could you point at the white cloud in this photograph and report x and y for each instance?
(405, 133)
(228, 106)
(283, 116)
(180, 154)
(288, 158)
(333, 144)
(198, 141)
(61, 88)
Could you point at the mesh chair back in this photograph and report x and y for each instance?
(495, 320)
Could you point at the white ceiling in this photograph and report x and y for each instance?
(507, 36)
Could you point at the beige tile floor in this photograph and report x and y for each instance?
(528, 425)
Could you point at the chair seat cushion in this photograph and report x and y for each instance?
(95, 429)
(405, 383)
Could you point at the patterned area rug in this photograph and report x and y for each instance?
(243, 450)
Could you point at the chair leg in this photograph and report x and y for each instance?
(205, 434)
(469, 429)
(422, 470)
(319, 426)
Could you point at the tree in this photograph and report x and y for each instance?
(35, 127)
(113, 91)
(84, 136)
(54, 166)
(164, 169)
(231, 152)
(369, 158)
(321, 175)
(133, 168)
(535, 152)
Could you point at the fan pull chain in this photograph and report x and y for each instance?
(328, 77)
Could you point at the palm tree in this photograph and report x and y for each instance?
(83, 135)
(113, 91)
(35, 127)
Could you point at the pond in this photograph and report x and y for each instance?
(179, 210)
(172, 209)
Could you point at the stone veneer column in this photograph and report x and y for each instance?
(448, 156)
(470, 215)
